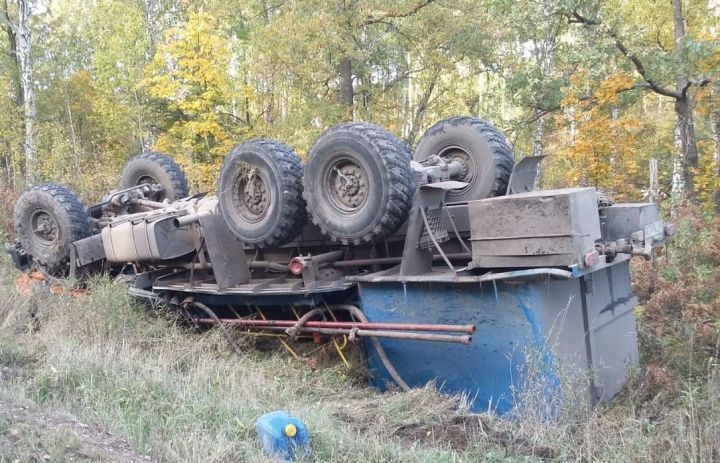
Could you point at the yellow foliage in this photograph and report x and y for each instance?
(190, 72)
(602, 148)
(707, 180)
(609, 90)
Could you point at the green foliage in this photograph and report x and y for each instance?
(189, 73)
(193, 78)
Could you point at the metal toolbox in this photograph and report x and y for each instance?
(536, 229)
(620, 221)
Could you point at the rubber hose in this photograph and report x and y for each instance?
(293, 330)
(219, 322)
(357, 313)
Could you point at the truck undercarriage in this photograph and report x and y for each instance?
(339, 246)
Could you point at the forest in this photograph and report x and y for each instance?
(621, 95)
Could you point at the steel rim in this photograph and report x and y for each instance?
(345, 185)
(470, 170)
(252, 196)
(45, 229)
(147, 179)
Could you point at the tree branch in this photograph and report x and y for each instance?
(374, 20)
(545, 111)
(700, 82)
(576, 18)
(238, 119)
(6, 24)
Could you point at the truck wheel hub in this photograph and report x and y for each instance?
(254, 198)
(347, 185)
(44, 227)
(459, 156)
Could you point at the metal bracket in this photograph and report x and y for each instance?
(225, 250)
(589, 285)
(417, 259)
(524, 175)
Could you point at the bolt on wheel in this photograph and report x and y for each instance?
(346, 185)
(252, 196)
(260, 193)
(45, 228)
(358, 183)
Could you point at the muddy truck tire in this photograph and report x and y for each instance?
(359, 185)
(48, 219)
(260, 193)
(156, 168)
(481, 148)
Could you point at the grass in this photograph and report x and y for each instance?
(179, 395)
(27, 443)
(7, 202)
(183, 396)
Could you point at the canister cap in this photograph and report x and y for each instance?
(290, 430)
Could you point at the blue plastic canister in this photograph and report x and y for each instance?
(281, 435)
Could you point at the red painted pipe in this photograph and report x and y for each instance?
(391, 334)
(469, 329)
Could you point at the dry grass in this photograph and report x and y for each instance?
(7, 204)
(184, 396)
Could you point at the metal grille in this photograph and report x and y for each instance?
(435, 226)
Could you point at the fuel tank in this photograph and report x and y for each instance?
(147, 237)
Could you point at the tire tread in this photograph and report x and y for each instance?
(503, 154)
(178, 180)
(293, 215)
(55, 262)
(396, 158)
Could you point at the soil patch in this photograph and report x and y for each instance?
(461, 432)
(91, 441)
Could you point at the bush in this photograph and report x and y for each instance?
(7, 204)
(680, 299)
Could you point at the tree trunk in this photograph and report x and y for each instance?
(715, 123)
(419, 117)
(407, 113)
(270, 105)
(347, 92)
(144, 145)
(538, 136)
(12, 51)
(688, 141)
(28, 86)
(153, 11)
(269, 79)
(678, 181)
(684, 109)
(344, 70)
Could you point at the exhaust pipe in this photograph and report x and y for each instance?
(188, 219)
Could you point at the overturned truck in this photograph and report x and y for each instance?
(444, 262)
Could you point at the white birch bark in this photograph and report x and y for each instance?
(28, 85)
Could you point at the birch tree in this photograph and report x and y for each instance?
(28, 85)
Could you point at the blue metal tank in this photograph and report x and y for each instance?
(533, 327)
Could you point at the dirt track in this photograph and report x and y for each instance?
(91, 441)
